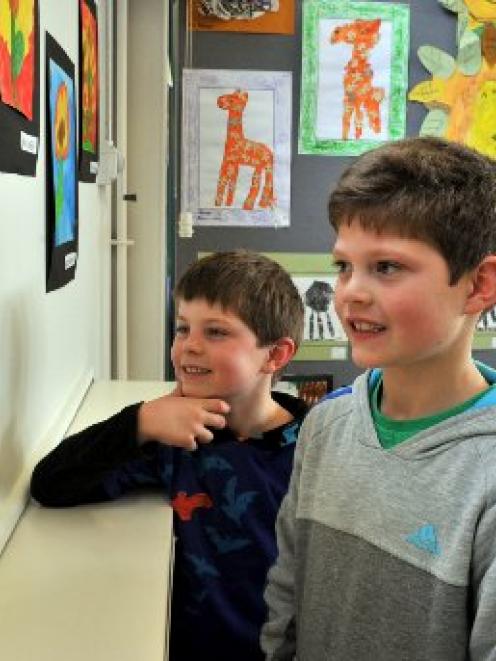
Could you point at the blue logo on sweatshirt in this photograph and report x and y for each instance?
(425, 539)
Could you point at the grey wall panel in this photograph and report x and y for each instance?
(312, 176)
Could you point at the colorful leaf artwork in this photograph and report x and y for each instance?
(461, 95)
(63, 127)
(17, 54)
(89, 117)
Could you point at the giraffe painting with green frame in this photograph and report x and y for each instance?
(354, 76)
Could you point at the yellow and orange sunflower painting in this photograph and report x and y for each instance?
(461, 95)
(63, 127)
(17, 53)
(89, 83)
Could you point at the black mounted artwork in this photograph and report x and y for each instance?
(19, 87)
(89, 91)
(61, 168)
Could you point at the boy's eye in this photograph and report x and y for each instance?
(340, 266)
(385, 267)
(216, 332)
(181, 329)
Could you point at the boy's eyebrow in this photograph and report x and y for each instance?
(385, 252)
(208, 320)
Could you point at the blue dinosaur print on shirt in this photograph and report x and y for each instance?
(166, 475)
(224, 543)
(236, 506)
(290, 434)
(201, 566)
(213, 462)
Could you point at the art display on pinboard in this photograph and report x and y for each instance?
(485, 332)
(19, 86)
(236, 153)
(354, 76)
(61, 167)
(315, 278)
(88, 91)
(256, 16)
(460, 97)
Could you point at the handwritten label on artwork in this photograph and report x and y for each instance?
(338, 353)
(70, 260)
(29, 143)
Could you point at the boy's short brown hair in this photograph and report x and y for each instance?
(439, 192)
(254, 287)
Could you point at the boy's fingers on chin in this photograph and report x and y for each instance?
(217, 421)
(217, 406)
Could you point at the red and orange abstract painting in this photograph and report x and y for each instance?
(89, 116)
(17, 39)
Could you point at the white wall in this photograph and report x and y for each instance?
(51, 345)
(147, 46)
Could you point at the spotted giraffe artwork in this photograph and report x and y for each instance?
(360, 97)
(354, 76)
(240, 151)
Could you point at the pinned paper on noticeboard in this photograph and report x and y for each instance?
(258, 16)
(460, 96)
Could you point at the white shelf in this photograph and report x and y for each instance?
(92, 582)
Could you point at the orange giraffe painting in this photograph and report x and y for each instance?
(360, 96)
(238, 151)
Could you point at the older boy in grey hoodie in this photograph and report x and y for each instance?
(387, 537)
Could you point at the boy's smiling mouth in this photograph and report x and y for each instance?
(365, 326)
(193, 369)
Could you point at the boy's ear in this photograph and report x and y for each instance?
(280, 353)
(483, 293)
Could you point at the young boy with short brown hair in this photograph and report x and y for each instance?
(239, 321)
(387, 536)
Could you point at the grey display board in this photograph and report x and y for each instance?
(312, 177)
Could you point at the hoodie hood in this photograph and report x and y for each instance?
(476, 424)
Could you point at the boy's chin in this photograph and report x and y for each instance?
(200, 392)
(365, 362)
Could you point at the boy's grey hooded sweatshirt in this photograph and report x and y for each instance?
(387, 554)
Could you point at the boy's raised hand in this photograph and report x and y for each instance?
(180, 421)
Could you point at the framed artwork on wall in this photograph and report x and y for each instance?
(315, 278)
(354, 76)
(459, 96)
(89, 91)
(19, 86)
(259, 16)
(61, 167)
(485, 333)
(236, 141)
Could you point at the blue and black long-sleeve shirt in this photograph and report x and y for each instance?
(225, 497)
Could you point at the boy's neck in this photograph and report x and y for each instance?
(409, 393)
(251, 417)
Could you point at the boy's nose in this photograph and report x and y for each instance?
(193, 343)
(354, 290)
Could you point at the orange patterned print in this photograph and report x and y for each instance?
(240, 151)
(359, 93)
(185, 505)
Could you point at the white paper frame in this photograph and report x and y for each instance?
(203, 135)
